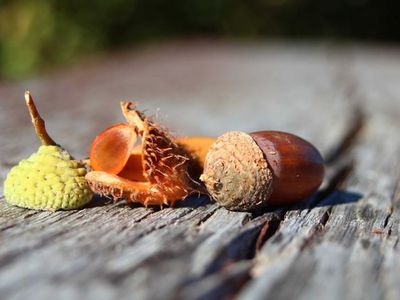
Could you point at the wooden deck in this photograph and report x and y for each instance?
(341, 243)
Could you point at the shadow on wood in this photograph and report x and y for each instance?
(98, 201)
(192, 201)
(330, 195)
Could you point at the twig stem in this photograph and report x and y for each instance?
(38, 122)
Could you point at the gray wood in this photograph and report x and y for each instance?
(340, 243)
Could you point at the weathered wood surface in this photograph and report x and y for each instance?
(341, 243)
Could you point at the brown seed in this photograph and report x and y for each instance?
(246, 171)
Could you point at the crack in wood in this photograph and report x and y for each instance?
(317, 229)
(269, 229)
(334, 183)
(206, 217)
(386, 222)
(239, 249)
(236, 252)
(350, 137)
(395, 200)
(145, 215)
(387, 225)
(230, 287)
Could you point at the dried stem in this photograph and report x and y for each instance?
(132, 116)
(38, 122)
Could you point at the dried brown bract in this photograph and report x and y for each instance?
(141, 162)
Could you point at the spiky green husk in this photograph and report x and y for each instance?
(48, 180)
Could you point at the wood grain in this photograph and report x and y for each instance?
(341, 243)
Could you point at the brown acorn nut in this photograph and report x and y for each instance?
(246, 171)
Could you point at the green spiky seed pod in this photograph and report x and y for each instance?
(49, 179)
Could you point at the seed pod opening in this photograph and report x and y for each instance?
(112, 148)
(155, 171)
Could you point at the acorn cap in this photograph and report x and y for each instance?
(236, 172)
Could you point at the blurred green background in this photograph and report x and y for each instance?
(40, 34)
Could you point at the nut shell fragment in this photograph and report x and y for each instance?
(156, 172)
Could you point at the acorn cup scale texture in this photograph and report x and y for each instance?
(247, 171)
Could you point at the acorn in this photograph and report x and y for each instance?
(248, 171)
(50, 179)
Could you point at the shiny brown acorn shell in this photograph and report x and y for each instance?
(246, 171)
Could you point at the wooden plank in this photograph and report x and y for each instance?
(342, 242)
(339, 250)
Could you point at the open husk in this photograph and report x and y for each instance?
(155, 171)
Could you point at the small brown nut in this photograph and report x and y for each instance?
(246, 171)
